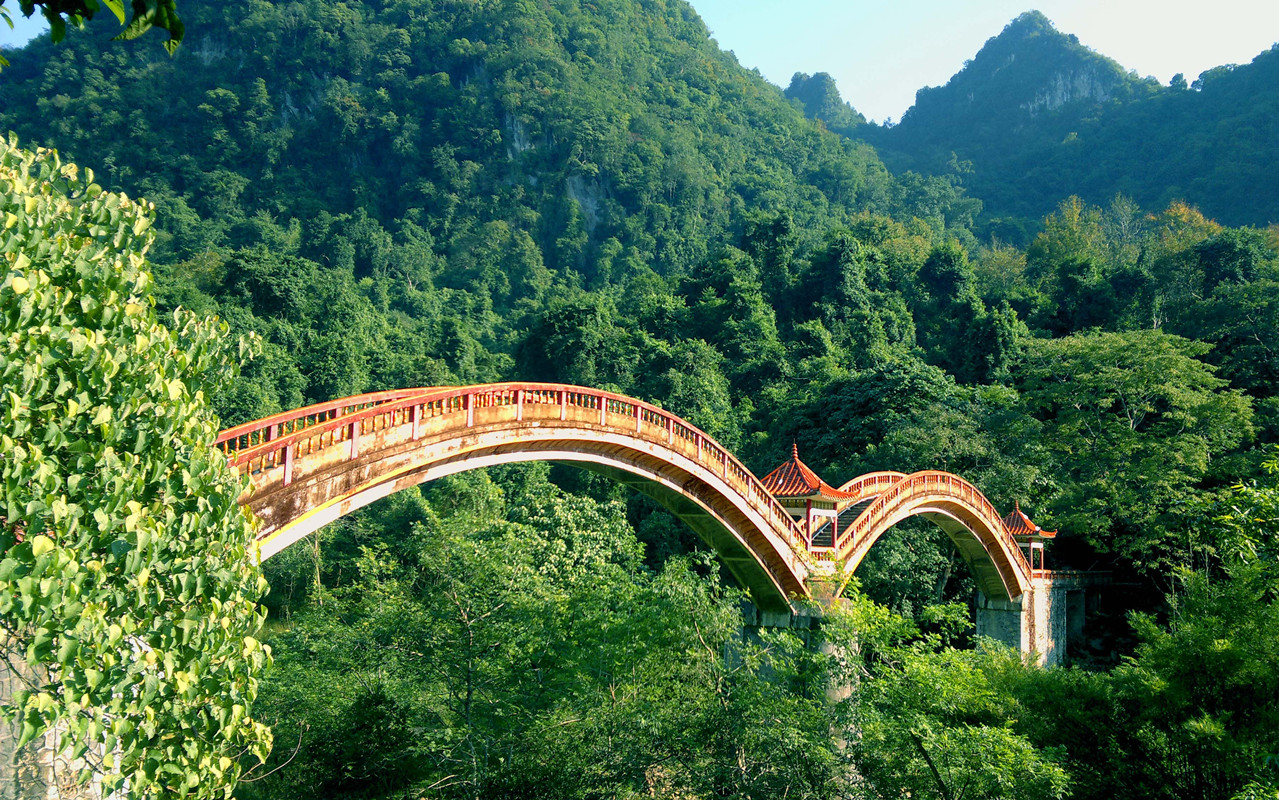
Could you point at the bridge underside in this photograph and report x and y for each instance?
(744, 542)
(313, 465)
(994, 572)
(973, 551)
(740, 562)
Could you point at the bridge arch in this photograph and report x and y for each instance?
(311, 466)
(995, 558)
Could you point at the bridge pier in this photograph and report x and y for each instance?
(753, 618)
(1004, 621)
(1044, 620)
(1039, 624)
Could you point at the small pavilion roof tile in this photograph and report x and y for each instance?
(794, 479)
(1018, 524)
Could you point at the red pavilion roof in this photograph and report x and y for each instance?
(794, 479)
(1018, 524)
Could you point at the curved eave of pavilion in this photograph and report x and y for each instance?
(1018, 524)
(795, 480)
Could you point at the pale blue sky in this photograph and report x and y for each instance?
(881, 51)
(23, 28)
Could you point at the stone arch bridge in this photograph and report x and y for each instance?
(312, 465)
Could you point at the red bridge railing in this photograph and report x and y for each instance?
(281, 440)
(872, 483)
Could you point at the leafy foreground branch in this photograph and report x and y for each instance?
(144, 15)
(128, 602)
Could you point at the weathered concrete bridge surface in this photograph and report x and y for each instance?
(787, 539)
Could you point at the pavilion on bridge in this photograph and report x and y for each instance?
(1029, 536)
(821, 509)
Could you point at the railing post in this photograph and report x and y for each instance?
(417, 421)
(519, 405)
(469, 399)
(670, 431)
(563, 404)
(603, 409)
(639, 419)
(355, 439)
(272, 431)
(288, 464)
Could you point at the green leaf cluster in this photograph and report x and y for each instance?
(146, 14)
(127, 588)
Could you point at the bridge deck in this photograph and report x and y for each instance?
(313, 464)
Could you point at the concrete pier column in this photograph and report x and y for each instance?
(1034, 624)
(1048, 616)
(1076, 610)
(1004, 621)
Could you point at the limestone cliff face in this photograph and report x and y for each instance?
(1070, 86)
(589, 194)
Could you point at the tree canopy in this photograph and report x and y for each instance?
(127, 595)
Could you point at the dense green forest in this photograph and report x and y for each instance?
(395, 193)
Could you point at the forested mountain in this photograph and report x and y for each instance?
(1037, 116)
(396, 193)
(496, 155)
(614, 134)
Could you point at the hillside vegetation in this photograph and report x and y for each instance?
(437, 192)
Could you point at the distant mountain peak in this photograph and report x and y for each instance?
(1029, 23)
(821, 100)
(1038, 116)
(1029, 69)
(1032, 29)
